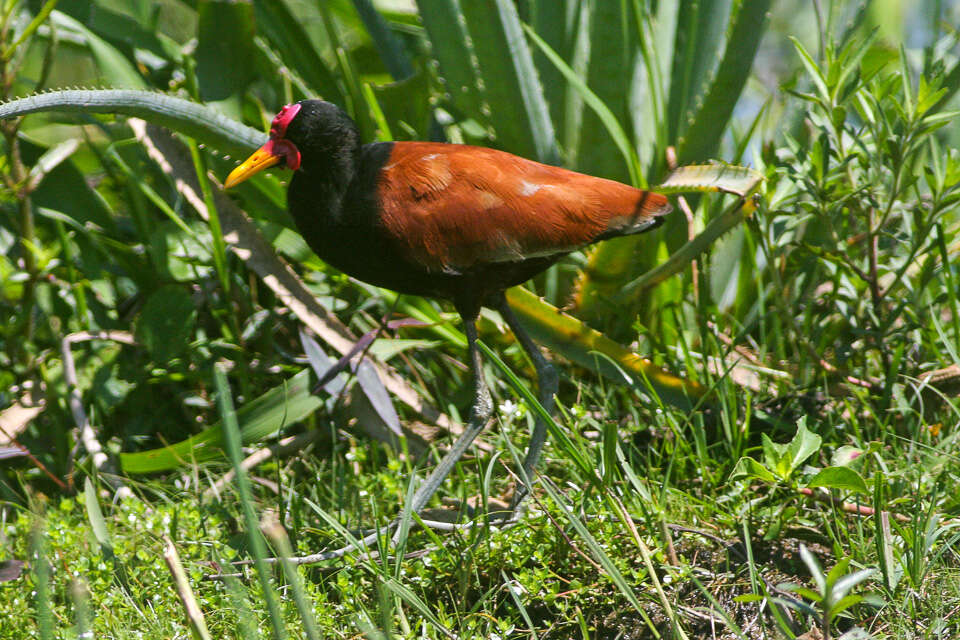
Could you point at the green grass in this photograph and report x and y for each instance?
(554, 570)
(801, 377)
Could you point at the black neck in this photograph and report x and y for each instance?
(323, 180)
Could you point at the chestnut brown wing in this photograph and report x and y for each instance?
(453, 207)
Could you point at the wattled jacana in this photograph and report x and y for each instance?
(449, 221)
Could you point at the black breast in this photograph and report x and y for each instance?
(342, 226)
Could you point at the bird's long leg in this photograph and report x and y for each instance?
(547, 384)
(480, 414)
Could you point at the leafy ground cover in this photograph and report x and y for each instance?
(757, 440)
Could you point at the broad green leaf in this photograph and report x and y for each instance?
(726, 263)
(512, 89)
(773, 453)
(840, 478)
(115, 69)
(804, 592)
(784, 459)
(649, 87)
(406, 113)
(592, 100)
(950, 82)
(136, 28)
(386, 348)
(166, 322)
(804, 444)
(842, 586)
(185, 252)
(285, 404)
(700, 28)
(392, 52)
(750, 468)
(225, 50)
(846, 455)
(557, 23)
(449, 45)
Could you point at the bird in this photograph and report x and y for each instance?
(455, 222)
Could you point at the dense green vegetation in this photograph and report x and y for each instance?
(756, 428)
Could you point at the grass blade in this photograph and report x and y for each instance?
(614, 574)
(198, 625)
(41, 580)
(257, 546)
(281, 542)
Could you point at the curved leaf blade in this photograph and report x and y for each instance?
(203, 123)
(265, 415)
(225, 49)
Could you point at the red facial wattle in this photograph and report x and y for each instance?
(278, 128)
(278, 144)
(285, 149)
(277, 149)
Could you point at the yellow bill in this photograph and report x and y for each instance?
(263, 158)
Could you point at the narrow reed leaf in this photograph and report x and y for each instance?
(601, 556)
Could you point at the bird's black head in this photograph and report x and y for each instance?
(312, 136)
(324, 135)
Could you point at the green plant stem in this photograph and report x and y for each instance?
(15, 180)
(76, 280)
(33, 26)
